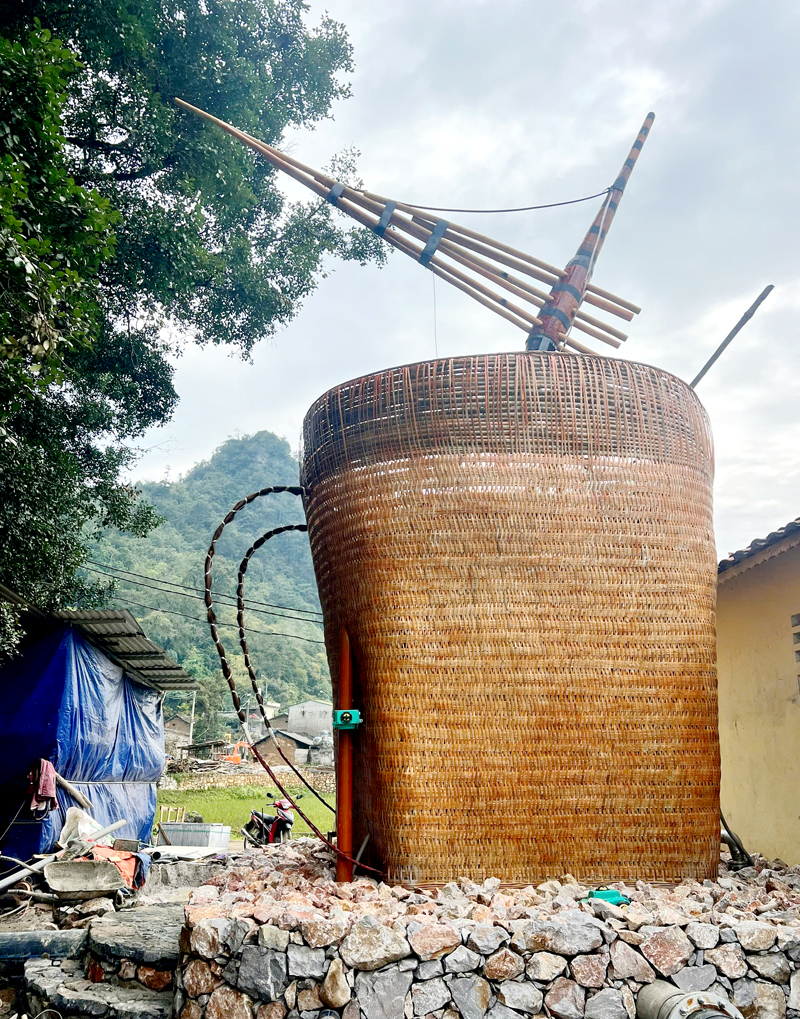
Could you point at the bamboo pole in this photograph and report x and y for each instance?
(479, 266)
(566, 297)
(458, 243)
(574, 343)
(379, 202)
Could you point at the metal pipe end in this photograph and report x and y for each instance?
(662, 1000)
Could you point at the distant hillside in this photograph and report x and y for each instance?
(280, 574)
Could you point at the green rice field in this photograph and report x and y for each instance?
(232, 806)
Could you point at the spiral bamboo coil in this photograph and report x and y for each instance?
(520, 547)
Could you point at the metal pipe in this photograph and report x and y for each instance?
(76, 794)
(558, 314)
(11, 879)
(344, 776)
(661, 1000)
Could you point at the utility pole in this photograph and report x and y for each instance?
(191, 723)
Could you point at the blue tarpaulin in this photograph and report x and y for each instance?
(65, 701)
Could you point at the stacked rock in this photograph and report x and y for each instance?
(276, 938)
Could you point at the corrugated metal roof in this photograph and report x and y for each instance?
(118, 635)
(759, 544)
(296, 737)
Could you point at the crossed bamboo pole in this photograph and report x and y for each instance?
(410, 228)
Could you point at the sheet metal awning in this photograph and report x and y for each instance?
(118, 635)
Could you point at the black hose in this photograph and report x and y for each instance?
(740, 858)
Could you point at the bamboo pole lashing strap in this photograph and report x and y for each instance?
(433, 242)
(386, 218)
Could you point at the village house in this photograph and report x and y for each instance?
(311, 718)
(294, 745)
(180, 725)
(758, 662)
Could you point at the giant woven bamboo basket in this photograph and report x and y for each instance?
(520, 547)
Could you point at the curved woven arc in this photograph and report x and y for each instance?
(520, 547)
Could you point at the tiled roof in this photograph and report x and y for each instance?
(759, 545)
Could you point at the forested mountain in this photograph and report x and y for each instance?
(280, 578)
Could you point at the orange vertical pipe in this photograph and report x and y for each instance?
(344, 771)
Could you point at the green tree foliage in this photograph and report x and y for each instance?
(125, 223)
(54, 235)
(208, 241)
(57, 391)
(279, 574)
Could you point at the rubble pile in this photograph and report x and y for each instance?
(276, 937)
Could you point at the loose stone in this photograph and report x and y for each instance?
(794, 992)
(702, 935)
(606, 1004)
(755, 936)
(429, 996)
(335, 990)
(545, 966)
(769, 1003)
(568, 938)
(522, 997)
(774, 967)
(695, 978)
(500, 1011)
(227, 1003)
(503, 965)
(428, 970)
(565, 999)
(198, 978)
(668, 950)
(462, 960)
(589, 970)
(432, 940)
(319, 933)
(486, 938)
(308, 1000)
(155, 979)
(273, 937)
(628, 964)
(274, 1010)
(729, 960)
(471, 996)
(263, 972)
(382, 995)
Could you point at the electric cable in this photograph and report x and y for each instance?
(523, 208)
(174, 612)
(196, 597)
(199, 590)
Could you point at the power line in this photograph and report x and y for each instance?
(196, 597)
(524, 208)
(198, 590)
(233, 626)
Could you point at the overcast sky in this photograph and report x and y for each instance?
(519, 102)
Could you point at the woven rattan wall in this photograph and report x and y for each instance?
(521, 549)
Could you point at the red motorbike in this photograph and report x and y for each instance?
(264, 829)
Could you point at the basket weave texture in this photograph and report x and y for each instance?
(520, 547)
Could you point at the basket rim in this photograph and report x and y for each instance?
(506, 353)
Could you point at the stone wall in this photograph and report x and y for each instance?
(324, 781)
(276, 937)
